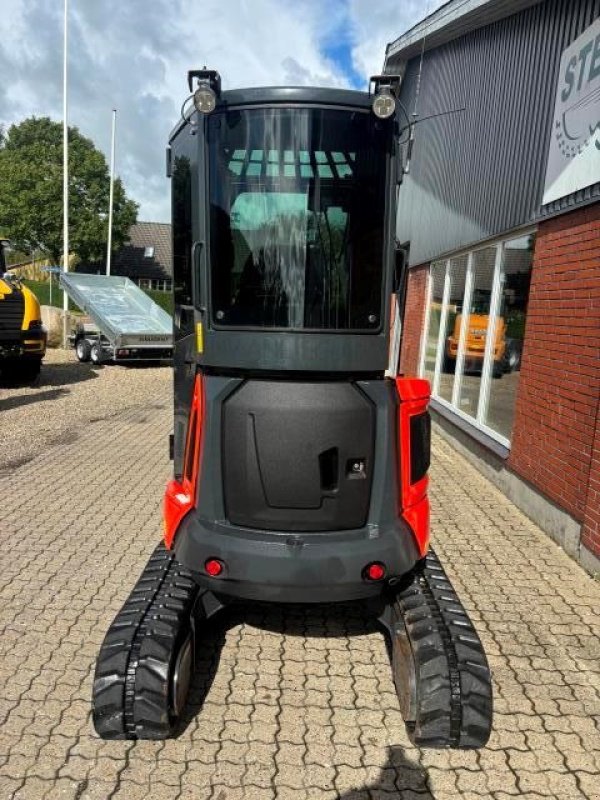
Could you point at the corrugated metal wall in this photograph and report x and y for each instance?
(480, 172)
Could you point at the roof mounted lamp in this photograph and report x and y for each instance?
(204, 97)
(385, 94)
(208, 89)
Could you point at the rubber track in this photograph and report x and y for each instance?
(131, 693)
(454, 690)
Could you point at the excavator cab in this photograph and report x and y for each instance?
(300, 469)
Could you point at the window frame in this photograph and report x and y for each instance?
(476, 421)
(427, 319)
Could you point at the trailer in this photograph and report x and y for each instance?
(123, 324)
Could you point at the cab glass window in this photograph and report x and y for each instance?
(297, 207)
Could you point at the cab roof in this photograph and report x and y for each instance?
(287, 95)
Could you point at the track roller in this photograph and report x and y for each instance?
(440, 669)
(146, 661)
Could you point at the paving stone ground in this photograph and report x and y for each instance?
(287, 703)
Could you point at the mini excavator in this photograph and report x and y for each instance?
(300, 466)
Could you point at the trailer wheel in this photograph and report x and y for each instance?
(96, 354)
(83, 350)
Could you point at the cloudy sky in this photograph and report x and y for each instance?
(133, 55)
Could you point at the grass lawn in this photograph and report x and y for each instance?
(41, 290)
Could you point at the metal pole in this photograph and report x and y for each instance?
(65, 173)
(112, 189)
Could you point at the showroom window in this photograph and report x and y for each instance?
(474, 331)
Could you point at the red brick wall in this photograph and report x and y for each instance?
(414, 315)
(559, 387)
(590, 534)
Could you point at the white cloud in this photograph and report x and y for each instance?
(135, 55)
(375, 24)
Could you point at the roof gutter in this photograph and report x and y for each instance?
(455, 18)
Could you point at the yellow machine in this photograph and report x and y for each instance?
(506, 354)
(476, 340)
(22, 335)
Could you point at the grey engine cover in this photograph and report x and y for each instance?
(298, 455)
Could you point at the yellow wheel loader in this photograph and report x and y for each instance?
(22, 335)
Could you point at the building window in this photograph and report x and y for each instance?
(476, 314)
(436, 303)
(156, 284)
(474, 330)
(148, 252)
(514, 279)
(457, 275)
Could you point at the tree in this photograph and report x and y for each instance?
(31, 206)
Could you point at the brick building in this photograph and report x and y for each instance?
(499, 210)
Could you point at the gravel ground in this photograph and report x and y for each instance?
(66, 397)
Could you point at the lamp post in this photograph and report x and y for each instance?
(65, 172)
(112, 189)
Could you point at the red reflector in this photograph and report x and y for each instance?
(417, 517)
(181, 496)
(213, 567)
(375, 571)
(413, 502)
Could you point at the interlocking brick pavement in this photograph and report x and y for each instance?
(286, 703)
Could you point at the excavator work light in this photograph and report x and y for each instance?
(384, 103)
(205, 99)
(208, 89)
(386, 88)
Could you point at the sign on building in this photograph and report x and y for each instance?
(574, 156)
